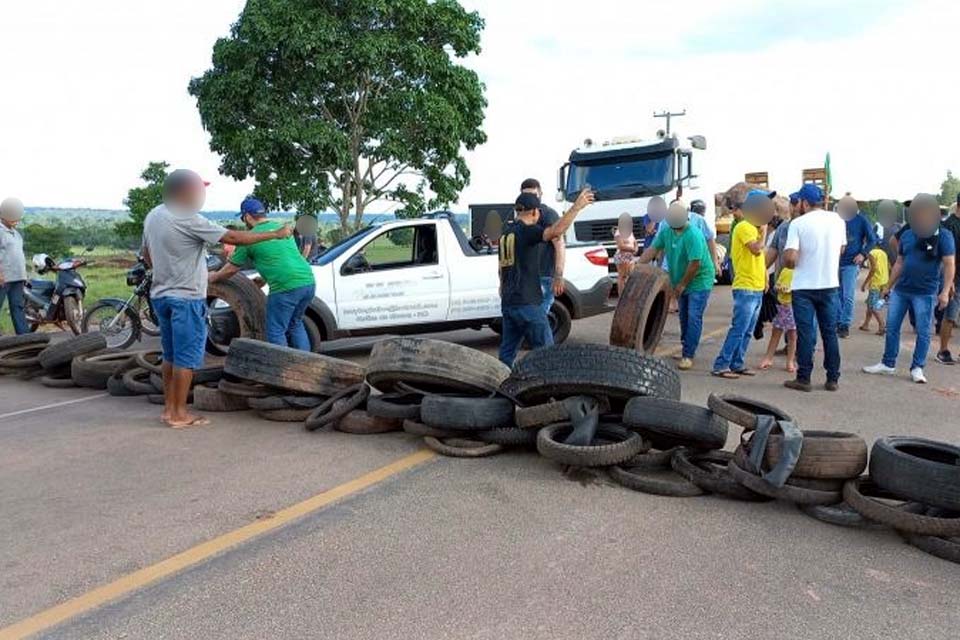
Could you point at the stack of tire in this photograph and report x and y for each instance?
(20, 355)
(142, 375)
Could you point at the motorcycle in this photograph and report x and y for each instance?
(58, 302)
(123, 322)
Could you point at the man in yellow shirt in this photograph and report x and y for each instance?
(747, 244)
(876, 280)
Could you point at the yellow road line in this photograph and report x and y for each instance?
(138, 579)
(679, 348)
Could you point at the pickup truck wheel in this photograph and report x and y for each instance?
(560, 322)
(291, 369)
(641, 312)
(434, 366)
(591, 370)
(313, 334)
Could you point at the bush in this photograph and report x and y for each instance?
(51, 240)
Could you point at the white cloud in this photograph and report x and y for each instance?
(95, 90)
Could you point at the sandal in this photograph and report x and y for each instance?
(746, 372)
(726, 375)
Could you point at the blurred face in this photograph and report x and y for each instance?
(657, 210)
(529, 217)
(677, 216)
(847, 208)
(190, 199)
(924, 218)
(625, 224)
(887, 213)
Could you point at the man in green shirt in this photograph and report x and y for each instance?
(290, 278)
(691, 275)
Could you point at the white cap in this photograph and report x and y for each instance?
(11, 210)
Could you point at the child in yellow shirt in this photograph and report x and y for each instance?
(783, 323)
(875, 282)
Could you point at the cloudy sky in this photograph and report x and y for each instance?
(94, 90)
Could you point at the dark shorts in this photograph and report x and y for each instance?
(183, 330)
(952, 312)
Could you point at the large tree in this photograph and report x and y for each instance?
(949, 189)
(140, 200)
(336, 104)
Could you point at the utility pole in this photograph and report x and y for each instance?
(666, 114)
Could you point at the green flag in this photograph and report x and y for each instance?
(826, 167)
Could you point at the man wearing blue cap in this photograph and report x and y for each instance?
(815, 241)
(521, 294)
(289, 276)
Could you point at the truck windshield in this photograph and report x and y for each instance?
(630, 176)
(338, 249)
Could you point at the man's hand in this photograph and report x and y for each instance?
(943, 299)
(2, 281)
(858, 260)
(583, 200)
(283, 232)
(884, 292)
(558, 286)
(863, 287)
(678, 291)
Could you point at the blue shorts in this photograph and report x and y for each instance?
(183, 330)
(874, 301)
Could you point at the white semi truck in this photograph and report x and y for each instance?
(625, 173)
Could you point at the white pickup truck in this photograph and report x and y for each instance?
(424, 275)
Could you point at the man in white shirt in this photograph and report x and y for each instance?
(815, 241)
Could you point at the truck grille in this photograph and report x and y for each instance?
(602, 230)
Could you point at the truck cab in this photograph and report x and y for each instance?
(625, 173)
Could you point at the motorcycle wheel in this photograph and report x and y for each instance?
(148, 323)
(73, 313)
(124, 332)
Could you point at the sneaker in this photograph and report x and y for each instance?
(798, 385)
(832, 385)
(944, 357)
(843, 332)
(916, 374)
(685, 364)
(880, 369)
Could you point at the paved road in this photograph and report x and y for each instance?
(506, 547)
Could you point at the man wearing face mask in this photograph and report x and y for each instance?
(692, 274)
(922, 279)
(860, 242)
(286, 271)
(175, 237)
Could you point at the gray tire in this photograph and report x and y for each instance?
(668, 423)
(62, 353)
(286, 368)
(212, 399)
(618, 445)
(434, 366)
(466, 414)
(918, 469)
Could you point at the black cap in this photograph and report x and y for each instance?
(527, 202)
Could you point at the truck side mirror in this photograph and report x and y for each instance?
(562, 182)
(698, 142)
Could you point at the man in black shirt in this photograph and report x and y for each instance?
(521, 295)
(553, 253)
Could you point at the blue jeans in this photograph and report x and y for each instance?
(746, 311)
(812, 307)
(13, 293)
(285, 317)
(848, 294)
(183, 330)
(922, 306)
(525, 321)
(692, 305)
(546, 285)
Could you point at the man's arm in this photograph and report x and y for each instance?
(649, 255)
(307, 248)
(894, 275)
(560, 257)
(226, 272)
(712, 247)
(873, 269)
(147, 260)
(244, 238)
(949, 271)
(688, 276)
(757, 246)
(559, 228)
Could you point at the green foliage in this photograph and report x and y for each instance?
(337, 104)
(50, 240)
(140, 200)
(949, 190)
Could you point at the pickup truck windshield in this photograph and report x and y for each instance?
(338, 249)
(632, 176)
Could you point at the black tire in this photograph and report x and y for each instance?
(152, 361)
(642, 310)
(212, 399)
(137, 381)
(509, 437)
(92, 370)
(248, 306)
(789, 493)
(314, 335)
(415, 428)
(743, 411)
(825, 455)
(359, 422)
(338, 406)
(542, 415)
(290, 369)
(918, 469)
(279, 403)
(841, 515)
(651, 459)
(944, 548)
(460, 448)
(126, 330)
(591, 370)
(708, 470)
(862, 494)
(246, 389)
(619, 445)
(55, 382)
(157, 381)
(433, 366)
(116, 388)
(22, 357)
(661, 482)
(466, 414)
(158, 398)
(62, 353)
(7, 342)
(73, 313)
(561, 322)
(404, 406)
(668, 423)
(285, 415)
